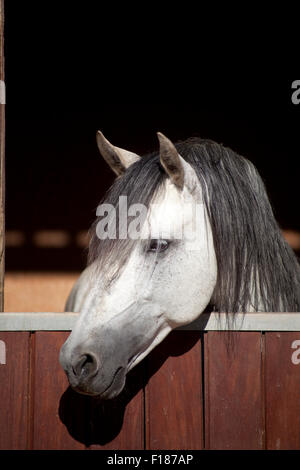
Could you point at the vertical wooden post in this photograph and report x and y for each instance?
(2, 161)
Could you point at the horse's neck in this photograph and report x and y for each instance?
(256, 303)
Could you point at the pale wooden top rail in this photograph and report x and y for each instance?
(50, 321)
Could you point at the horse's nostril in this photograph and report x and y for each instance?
(86, 366)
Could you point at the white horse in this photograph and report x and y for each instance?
(209, 238)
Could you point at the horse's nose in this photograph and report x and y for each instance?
(85, 367)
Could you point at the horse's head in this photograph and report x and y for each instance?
(167, 277)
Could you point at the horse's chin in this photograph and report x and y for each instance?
(108, 392)
(116, 386)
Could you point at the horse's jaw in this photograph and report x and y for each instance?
(97, 360)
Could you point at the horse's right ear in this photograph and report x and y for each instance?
(118, 159)
(179, 171)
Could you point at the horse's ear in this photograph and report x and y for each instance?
(178, 170)
(118, 159)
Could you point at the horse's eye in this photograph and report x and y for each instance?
(158, 245)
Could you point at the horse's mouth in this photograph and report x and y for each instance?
(116, 385)
(112, 390)
(119, 378)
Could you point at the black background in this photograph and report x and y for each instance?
(72, 71)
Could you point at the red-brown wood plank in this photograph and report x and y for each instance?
(234, 408)
(14, 390)
(119, 423)
(49, 384)
(64, 419)
(174, 414)
(283, 390)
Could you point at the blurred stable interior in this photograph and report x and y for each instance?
(62, 87)
(55, 179)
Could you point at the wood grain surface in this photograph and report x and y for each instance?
(174, 418)
(64, 419)
(234, 413)
(194, 391)
(283, 390)
(14, 391)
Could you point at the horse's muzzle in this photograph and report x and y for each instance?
(87, 377)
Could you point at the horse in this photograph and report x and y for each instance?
(208, 241)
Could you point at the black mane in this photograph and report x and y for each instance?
(256, 266)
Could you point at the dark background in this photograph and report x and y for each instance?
(70, 72)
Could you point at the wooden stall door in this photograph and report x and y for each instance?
(174, 414)
(234, 409)
(283, 390)
(65, 420)
(14, 390)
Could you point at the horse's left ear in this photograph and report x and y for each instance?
(179, 171)
(118, 159)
